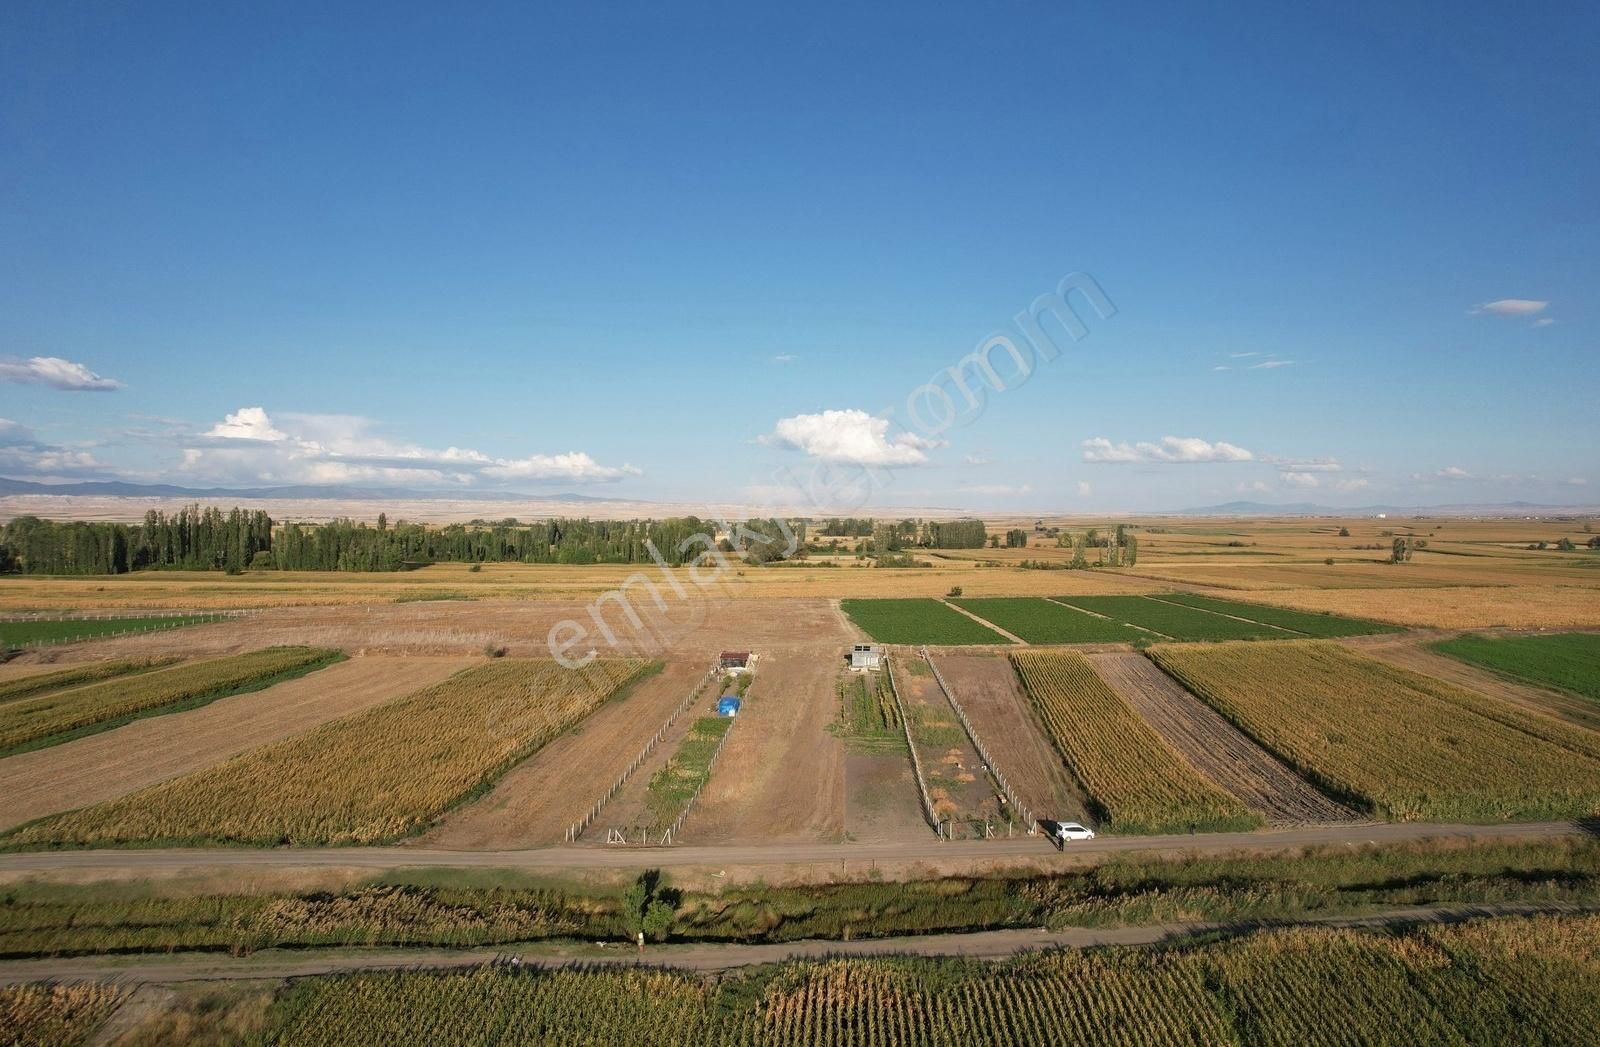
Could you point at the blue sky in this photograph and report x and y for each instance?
(688, 255)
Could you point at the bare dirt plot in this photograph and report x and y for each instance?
(1407, 652)
(697, 627)
(781, 774)
(881, 798)
(105, 766)
(989, 692)
(1215, 746)
(535, 803)
(963, 794)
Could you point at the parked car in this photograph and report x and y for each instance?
(1073, 831)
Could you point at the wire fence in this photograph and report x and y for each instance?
(146, 624)
(983, 751)
(911, 745)
(576, 828)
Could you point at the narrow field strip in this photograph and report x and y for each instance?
(368, 778)
(1402, 745)
(1180, 623)
(1136, 781)
(77, 676)
(1042, 621)
(918, 621)
(1317, 626)
(25, 632)
(51, 719)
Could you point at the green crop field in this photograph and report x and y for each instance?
(1484, 981)
(917, 621)
(23, 632)
(1037, 620)
(1320, 626)
(1178, 623)
(1570, 661)
(672, 787)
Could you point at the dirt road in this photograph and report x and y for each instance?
(276, 965)
(164, 862)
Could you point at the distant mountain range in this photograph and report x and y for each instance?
(122, 489)
(1312, 509)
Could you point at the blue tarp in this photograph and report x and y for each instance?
(728, 705)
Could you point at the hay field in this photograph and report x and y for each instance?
(1517, 607)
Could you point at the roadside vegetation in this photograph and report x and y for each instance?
(500, 907)
(1399, 744)
(1568, 661)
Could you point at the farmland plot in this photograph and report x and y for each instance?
(1047, 622)
(1217, 748)
(376, 776)
(1169, 620)
(143, 753)
(1403, 745)
(917, 622)
(54, 718)
(52, 679)
(1569, 661)
(1319, 626)
(1136, 781)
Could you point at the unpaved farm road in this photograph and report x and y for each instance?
(276, 965)
(152, 861)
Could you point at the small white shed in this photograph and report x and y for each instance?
(866, 656)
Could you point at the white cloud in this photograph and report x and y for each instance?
(21, 452)
(247, 423)
(1576, 481)
(1269, 364)
(1242, 356)
(1544, 321)
(1170, 449)
(1453, 472)
(784, 358)
(1355, 483)
(1301, 479)
(251, 446)
(1307, 465)
(994, 489)
(975, 459)
(1511, 307)
(851, 436)
(54, 371)
(1083, 489)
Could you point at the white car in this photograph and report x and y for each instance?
(1073, 831)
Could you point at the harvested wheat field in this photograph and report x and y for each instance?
(105, 766)
(781, 774)
(1515, 607)
(534, 804)
(1217, 749)
(987, 689)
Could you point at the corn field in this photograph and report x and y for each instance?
(55, 1015)
(1136, 781)
(1510, 980)
(1406, 746)
(375, 776)
(25, 723)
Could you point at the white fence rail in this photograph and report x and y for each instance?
(911, 745)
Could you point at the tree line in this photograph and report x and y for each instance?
(210, 539)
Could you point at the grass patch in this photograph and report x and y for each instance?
(918, 621)
(675, 784)
(23, 632)
(1567, 661)
(869, 721)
